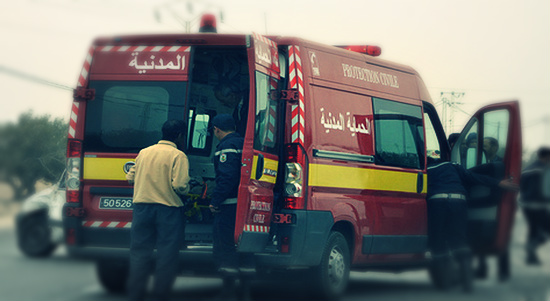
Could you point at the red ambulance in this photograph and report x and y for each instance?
(333, 174)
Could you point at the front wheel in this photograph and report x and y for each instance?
(331, 277)
(34, 236)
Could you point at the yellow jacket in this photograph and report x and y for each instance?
(161, 174)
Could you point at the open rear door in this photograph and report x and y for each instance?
(490, 144)
(260, 151)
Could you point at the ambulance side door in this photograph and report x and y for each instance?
(490, 144)
(260, 151)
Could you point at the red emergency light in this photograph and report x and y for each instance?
(365, 49)
(208, 23)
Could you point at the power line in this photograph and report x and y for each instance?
(32, 78)
(449, 100)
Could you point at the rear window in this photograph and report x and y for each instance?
(126, 116)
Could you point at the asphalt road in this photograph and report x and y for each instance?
(60, 278)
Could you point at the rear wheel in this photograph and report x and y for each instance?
(112, 275)
(331, 277)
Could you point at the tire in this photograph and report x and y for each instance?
(34, 236)
(112, 275)
(331, 277)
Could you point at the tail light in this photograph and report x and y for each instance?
(70, 237)
(285, 244)
(72, 180)
(294, 177)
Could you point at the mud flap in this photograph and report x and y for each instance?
(252, 242)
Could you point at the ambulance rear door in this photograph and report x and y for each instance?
(260, 152)
(490, 144)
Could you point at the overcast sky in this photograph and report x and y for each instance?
(490, 50)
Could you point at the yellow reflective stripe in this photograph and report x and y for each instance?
(104, 168)
(323, 175)
(269, 172)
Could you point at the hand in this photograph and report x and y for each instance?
(508, 184)
(214, 209)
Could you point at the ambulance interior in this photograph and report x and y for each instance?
(219, 84)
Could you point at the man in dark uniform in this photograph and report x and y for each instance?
(227, 163)
(536, 205)
(448, 214)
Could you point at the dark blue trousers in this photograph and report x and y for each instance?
(161, 227)
(447, 226)
(225, 252)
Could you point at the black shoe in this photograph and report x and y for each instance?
(533, 259)
(481, 272)
(245, 293)
(503, 277)
(228, 292)
(466, 275)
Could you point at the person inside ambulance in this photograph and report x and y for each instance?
(447, 215)
(231, 96)
(227, 164)
(490, 147)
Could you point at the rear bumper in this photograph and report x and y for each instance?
(306, 240)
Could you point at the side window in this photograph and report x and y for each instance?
(398, 134)
(265, 129)
(466, 153)
(495, 135)
(199, 140)
(433, 149)
(491, 148)
(436, 141)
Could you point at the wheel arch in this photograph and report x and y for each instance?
(347, 229)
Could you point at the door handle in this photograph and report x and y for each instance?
(419, 182)
(260, 167)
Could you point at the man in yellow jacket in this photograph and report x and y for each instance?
(160, 177)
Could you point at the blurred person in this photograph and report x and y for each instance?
(448, 214)
(490, 146)
(227, 164)
(469, 143)
(230, 95)
(535, 202)
(160, 177)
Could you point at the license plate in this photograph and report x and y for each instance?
(115, 203)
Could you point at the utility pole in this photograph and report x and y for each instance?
(449, 103)
(174, 8)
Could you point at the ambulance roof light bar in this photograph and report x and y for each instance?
(365, 49)
(208, 23)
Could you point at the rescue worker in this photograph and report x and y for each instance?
(160, 176)
(536, 203)
(227, 163)
(448, 212)
(490, 148)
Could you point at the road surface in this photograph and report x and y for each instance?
(60, 278)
